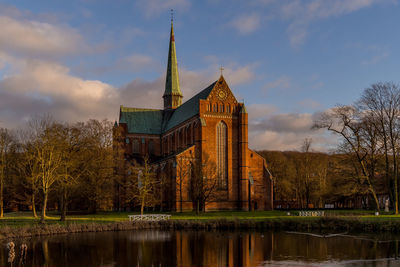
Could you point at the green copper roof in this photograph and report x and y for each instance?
(155, 121)
(172, 80)
(188, 109)
(140, 120)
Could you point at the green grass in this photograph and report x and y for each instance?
(26, 218)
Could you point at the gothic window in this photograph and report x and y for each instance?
(215, 108)
(222, 136)
(228, 108)
(221, 108)
(135, 146)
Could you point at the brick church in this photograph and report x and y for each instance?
(209, 130)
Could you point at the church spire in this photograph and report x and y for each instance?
(172, 94)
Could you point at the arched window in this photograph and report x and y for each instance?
(215, 107)
(221, 108)
(222, 138)
(135, 146)
(228, 108)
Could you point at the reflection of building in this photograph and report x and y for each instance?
(210, 128)
(222, 249)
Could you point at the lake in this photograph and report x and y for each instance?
(202, 248)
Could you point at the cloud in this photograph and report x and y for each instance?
(34, 38)
(309, 103)
(283, 82)
(155, 7)
(46, 87)
(263, 2)
(271, 130)
(239, 74)
(288, 141)
(302, 13)
(136, 62)
(247, 23)
(292, 122)
(259, 111)
(376, 58)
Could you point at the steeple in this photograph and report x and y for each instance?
(172, 94)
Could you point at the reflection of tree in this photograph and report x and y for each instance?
(45, 247)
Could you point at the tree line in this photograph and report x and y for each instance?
(365, 163)
(310, 179)
(78, 166)
(83, 166)
(57, 164)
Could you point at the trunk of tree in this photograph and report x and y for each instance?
(1, 198)
(180, 196)
(34, 205)
(142, 205)
(387, 170)
(371, 188)
(396, 196)
(162, 198)
(43, 215)
(63, 206)
(197, 206)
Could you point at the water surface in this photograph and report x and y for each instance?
(202, 248)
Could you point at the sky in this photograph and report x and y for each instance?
(288, 60)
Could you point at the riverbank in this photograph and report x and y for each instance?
(15, 225)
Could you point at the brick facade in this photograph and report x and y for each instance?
(196, 138)
(211, 130)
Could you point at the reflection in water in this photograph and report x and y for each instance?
(200, 248)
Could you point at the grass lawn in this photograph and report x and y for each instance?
(26, 218)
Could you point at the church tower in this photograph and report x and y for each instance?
(172, 94)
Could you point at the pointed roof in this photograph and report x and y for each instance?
(157, 121)
(141, 120)
(188, 109)
(172, 79)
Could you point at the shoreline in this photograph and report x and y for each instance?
(311, 224)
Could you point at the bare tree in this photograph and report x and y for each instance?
(308, 183)
(98, 178)
(381, 102)
(203, 181)
(183, 170)
(74, 164)
(350, 124)
(146, 186)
